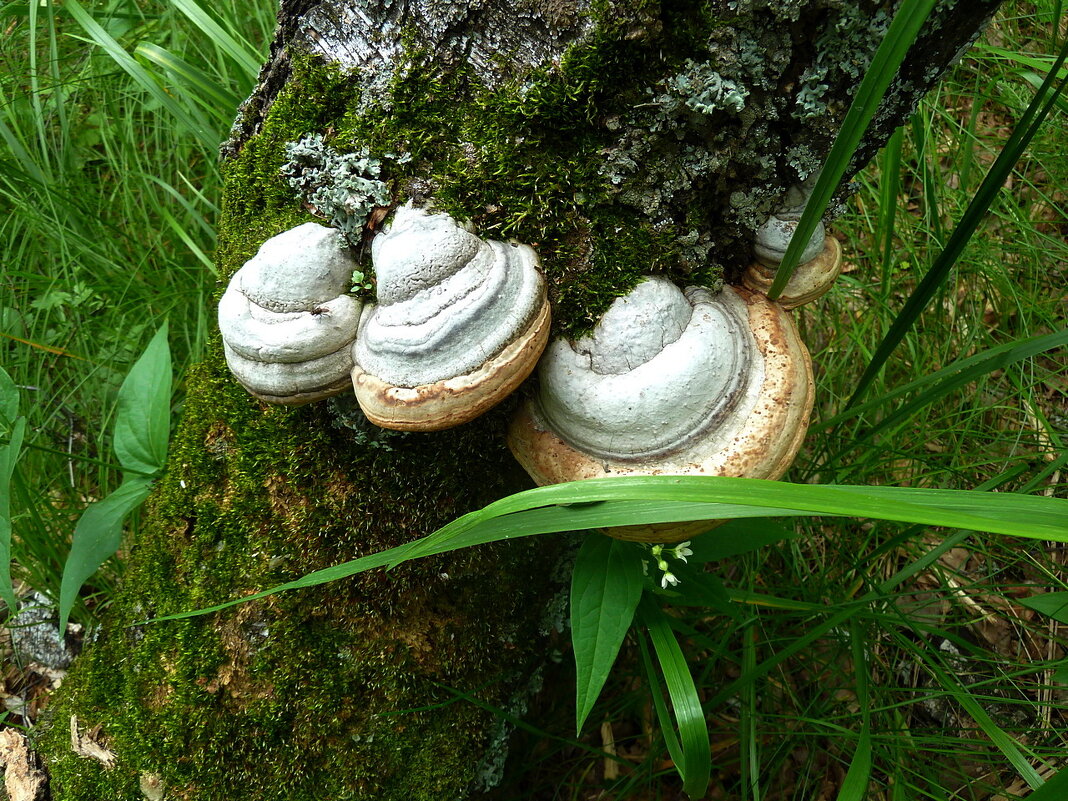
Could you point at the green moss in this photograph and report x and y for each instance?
(314, 694)
(523, 161)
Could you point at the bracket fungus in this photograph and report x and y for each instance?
(460, 323)
(818, 267)
(670, 382)
(287, 324)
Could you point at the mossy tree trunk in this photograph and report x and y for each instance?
(619, 139)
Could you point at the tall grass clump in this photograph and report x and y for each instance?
(110, 117)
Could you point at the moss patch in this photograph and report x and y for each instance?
(331, 692)
(522, 162)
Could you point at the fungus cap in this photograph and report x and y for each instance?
(286, 324)
(773, 237)
(729, 395)
(460, 323)
(810, 280)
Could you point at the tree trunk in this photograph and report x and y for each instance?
(618, 139)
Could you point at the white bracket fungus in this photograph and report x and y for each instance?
(670, 383)
(460, 323)
(287, 324)
(818, 267)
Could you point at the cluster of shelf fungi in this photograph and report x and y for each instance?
(670, 381)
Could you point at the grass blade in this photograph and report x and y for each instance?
(1002, 741)
(855, 785)
(939, 384)
(889, 191)
(140, 75)
(905, 27)
(956, 375)
(925, 291)
(693, 760)
(204, 88)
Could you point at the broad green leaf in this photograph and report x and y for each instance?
(9, 400)
(694, 761)
(97, 536)
(697, 588)
(15, 427)
(143, 416)
(9, 455)
(606, 586)
(903, 30)
(737, 537)
(1055, 788)
(1051, 604)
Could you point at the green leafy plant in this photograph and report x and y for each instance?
(14, 427)
(142, 428)
(141, 432)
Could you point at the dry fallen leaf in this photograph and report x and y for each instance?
(24, 780)
(85, 745)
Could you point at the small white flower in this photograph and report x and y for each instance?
(681, 551)
(668, 578)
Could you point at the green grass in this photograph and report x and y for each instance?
(108, 186)
(107, 209)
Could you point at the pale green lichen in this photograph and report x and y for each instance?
(843, 52)
(705, 91)
(342, 187)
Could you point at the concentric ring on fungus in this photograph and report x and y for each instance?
(286, 323)
(460, 323)
(758, 371)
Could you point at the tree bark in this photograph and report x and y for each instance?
(619, 139)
